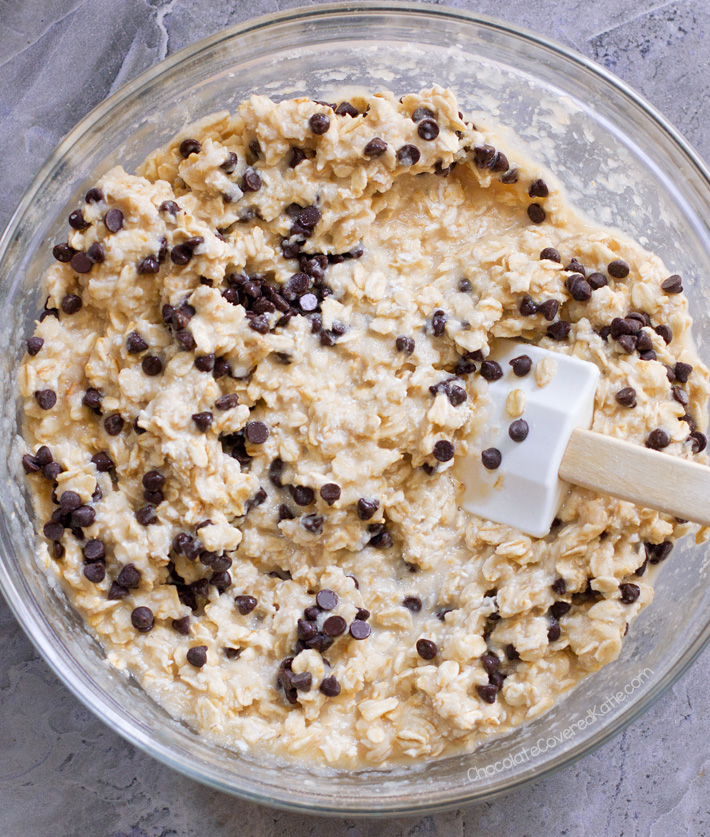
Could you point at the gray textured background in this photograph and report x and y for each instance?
(61, 771)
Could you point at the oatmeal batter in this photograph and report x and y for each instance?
(259, 359)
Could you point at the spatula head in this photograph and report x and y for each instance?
(525, 490)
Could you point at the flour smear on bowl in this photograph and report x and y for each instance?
(259, 359)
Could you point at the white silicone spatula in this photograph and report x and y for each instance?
(528, 486)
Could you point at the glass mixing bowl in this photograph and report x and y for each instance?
(591, 129)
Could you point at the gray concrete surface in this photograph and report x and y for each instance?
(61, 771)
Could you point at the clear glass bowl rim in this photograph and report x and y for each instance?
(40, 631)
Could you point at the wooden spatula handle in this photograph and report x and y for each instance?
(642, 476)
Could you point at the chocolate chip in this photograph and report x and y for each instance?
(626, 397)
(129, 577)
(260, 324)
(518, 430)
(304, 680)
(551, 254)
(71, 303)
(682, 372)
(102, 461)
(63, 252)
(422, 113)
(549, 309)
(308, 303)
(538, 189)
(113, 220)
(658, 439)
(95, 550)
(113, 424)
(185, 340)
(405, 345)
(189, 146)
(628, 343)
(359, 629)
(560, 609)
(658, 552)
(521, 365)
(597, 280)
(438, 323)
(170, 207)
(427, 649)
(484, 156)
(77, 221)
(367, 508)
(302, 495)
(408, 155)
(245, 604)
(334, 626)
(698, 440)
(221, 580)
(69, 501)
(319, 123)
(554, 632)
(329, 686)
(309, 217)
(181, 254)
(330, 492)
(94, 195)
(142, 619)
(182, 625)
(644, 343)
(673, 284)
(487, 693)
(491, 458)
(153, 481)
(43, 455)
(443, 450)
(197, 655)
(629, 592)
(257, 432)
(412, 603)
(580, 290)
(116, 592)
(95, 573)
(46, 398)
(559, 586)
(230, 163)
(326, 599)
(34, 344)
(53, 530)
(146, 516)
(51, 471)
(575, 266)
(227, 402)
(536, 213)
(135, 343)
(559, 330)
(428, 129)
(619, 269)
(376, 147)
(680, 395)
(30, 464)
(251, 181)
(203, 421)
(664, 332)
(205, 363)
(346, 109)
(81, 263)
(298, 155)
(528, 307)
